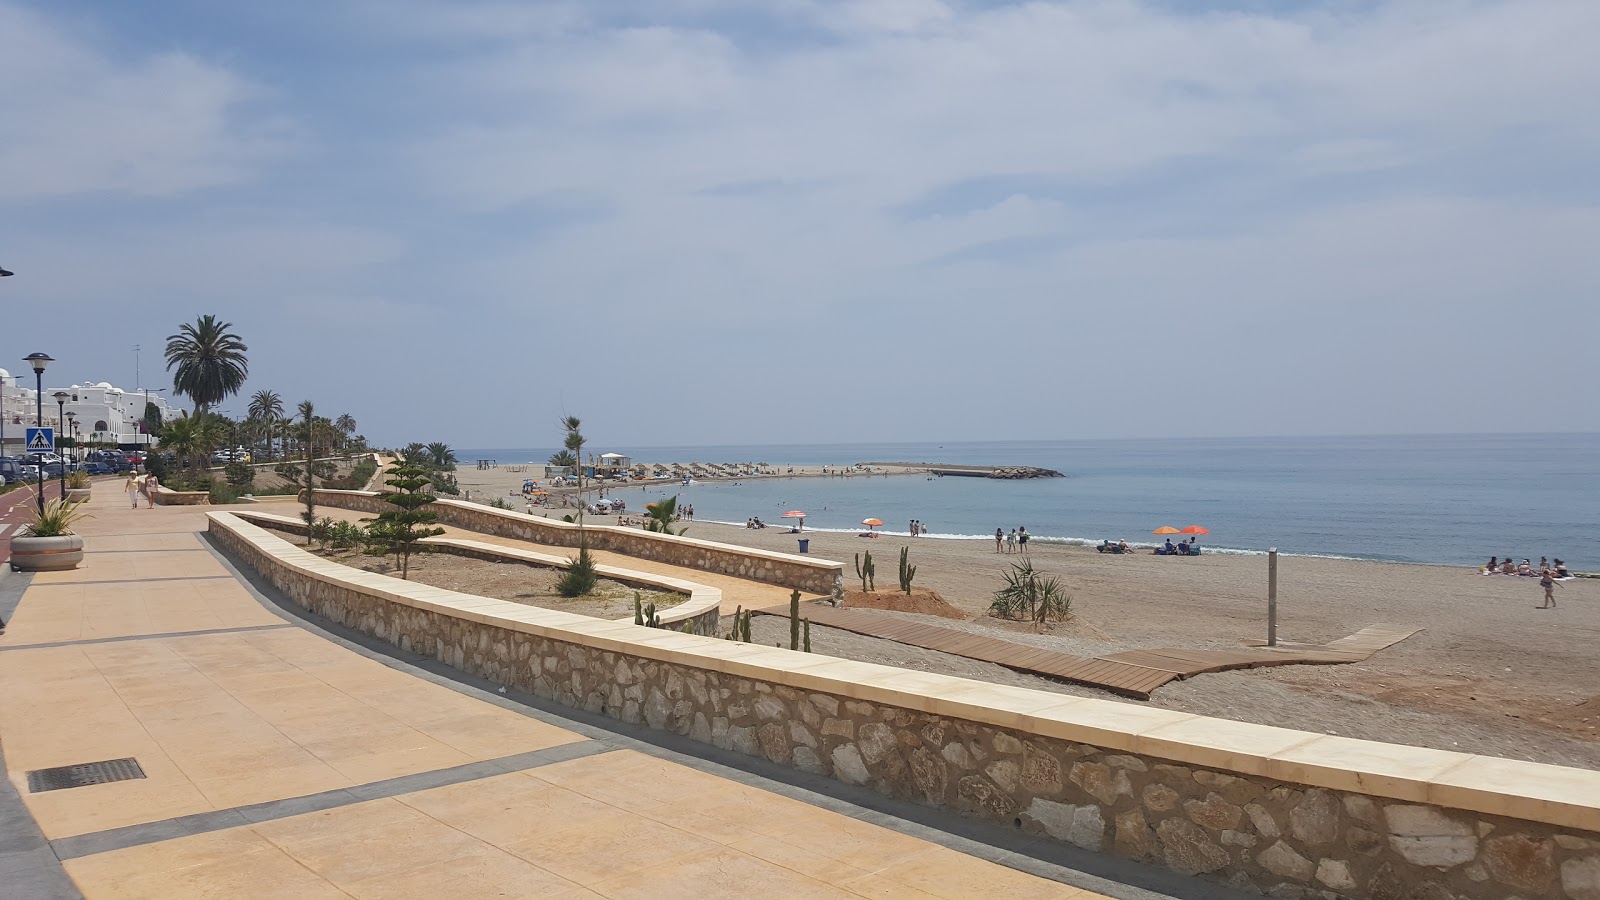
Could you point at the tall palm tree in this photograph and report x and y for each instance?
(210, 361)
(266, 406)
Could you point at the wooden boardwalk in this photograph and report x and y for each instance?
(1134, 673)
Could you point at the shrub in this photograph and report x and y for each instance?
(56, 519)
(1030, 595)
(240, 474)
(78, 479)
(580, 577)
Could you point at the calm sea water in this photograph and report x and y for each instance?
(1452, 499)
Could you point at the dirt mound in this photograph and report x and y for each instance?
(928, 603)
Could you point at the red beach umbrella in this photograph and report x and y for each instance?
(794, 514)
(1195, 529)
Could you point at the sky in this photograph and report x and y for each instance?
(699, 222)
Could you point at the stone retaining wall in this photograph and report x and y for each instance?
(701, 608)
(812, 576)
(1290, 814)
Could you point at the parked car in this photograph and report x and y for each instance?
(98, 468)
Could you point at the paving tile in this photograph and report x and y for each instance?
(609, 845)
(957, 876)
(721, 875)
(352, 846)
(482, 872)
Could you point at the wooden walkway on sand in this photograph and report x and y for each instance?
(1135, 673)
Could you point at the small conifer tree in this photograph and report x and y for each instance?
(404, 527)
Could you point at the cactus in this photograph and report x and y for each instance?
(688, 626)
(746, 626)
(808, 635)
(638, 610)
(651, 620)
(794, 620)
(907, 570)
(865, 571)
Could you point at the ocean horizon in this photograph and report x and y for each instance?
(1431, 499)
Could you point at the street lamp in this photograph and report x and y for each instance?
(72, 432)
(61, 420)
(39, 361)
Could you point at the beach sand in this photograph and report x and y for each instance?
(1488, 674)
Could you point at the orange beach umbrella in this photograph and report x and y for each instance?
(794, 514)
(872, 523)
(1166, 529)
(1195, 529)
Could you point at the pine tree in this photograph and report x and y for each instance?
(403, 528)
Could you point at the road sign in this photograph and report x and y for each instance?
(41, 440)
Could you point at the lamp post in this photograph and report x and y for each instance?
(39, 361)
(61, 422)
(72, 432)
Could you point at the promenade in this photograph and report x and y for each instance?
(284, 760)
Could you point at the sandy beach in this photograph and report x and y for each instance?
(1488, 674)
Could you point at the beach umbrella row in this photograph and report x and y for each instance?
(1192, 529)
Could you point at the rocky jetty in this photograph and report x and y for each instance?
(1023, 472)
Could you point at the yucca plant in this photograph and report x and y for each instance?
(78, 479)
(56, 520)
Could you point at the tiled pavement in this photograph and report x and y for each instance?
(283, 762)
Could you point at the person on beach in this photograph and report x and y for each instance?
(999, 537)
(1022, 537)
(1547, 581)
(924, 527)
(1561, 570)
(1011, 541)
(1493, 566)
(132, 487)
(911, 529)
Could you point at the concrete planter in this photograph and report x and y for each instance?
(77, 495)
(46, 554)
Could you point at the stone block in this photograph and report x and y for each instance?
(1133, 837)
(1160, 798)
(1580, 878)
(958, 755)
(1363, 810)
(1187, 848)
(1213, 812)
(982, 796)
(876, 741)
(1520, 862)
(839, 728)
(1005, 743)
(1424, 836)
(1122, 761)
(800, 734)
(1335, 873)
(1315, 819)
(1004, 773)
(848, 766)
(1094, 779)
(1281, 860)
(807, 760)
(1239, 839)
(1041, 771)
(929, 774)
(774, 743)
(1367, 843)
(1083, 826)
(701, 729)
(769, 708)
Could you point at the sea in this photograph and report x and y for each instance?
(1436, 499)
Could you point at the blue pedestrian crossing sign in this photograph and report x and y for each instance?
(41, 440)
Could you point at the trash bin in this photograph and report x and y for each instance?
(805, 545)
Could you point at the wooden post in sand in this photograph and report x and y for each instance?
(1272, 597)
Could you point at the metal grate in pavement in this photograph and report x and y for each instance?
(61, 777)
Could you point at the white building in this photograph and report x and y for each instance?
(101, 413)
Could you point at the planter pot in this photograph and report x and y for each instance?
(46, 554)
(77, 495)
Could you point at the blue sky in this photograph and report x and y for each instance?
(694, 221)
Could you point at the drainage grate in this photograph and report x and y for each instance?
(40, 780)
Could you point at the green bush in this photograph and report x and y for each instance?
(580, 577)
(240, 474)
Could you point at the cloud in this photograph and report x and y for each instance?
(79, 120)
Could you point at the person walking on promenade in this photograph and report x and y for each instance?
(151, 485)
(132, 487)
(999, 536)
(1547, 580)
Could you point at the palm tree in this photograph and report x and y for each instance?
(210, 361)
(415, 452)
(563, 458)
(266, 406)
(181, 438)
(345, 423)
(441, 456)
